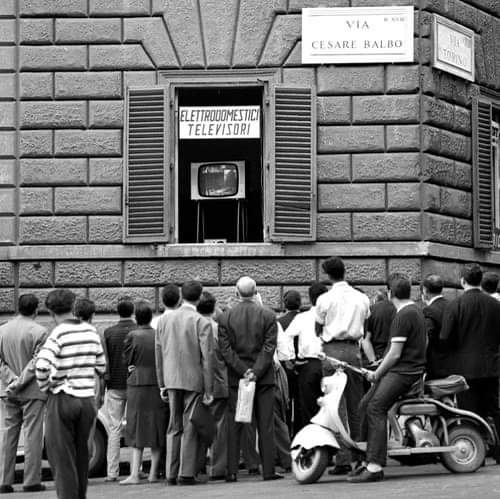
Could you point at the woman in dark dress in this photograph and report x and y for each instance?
(146, 412)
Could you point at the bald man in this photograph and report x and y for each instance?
(247, 339)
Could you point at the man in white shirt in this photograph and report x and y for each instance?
(340, 319)
(308, 365)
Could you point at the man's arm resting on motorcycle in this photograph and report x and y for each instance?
(390, 360)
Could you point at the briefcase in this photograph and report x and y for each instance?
(203, 421)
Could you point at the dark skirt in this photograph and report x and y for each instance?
(147, 417)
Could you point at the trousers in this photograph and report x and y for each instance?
(264, 414)
(309, 390)
(348, 352)
(67, 428)
(182, 439)
(14, 414)
(114, 405)
(374, 407)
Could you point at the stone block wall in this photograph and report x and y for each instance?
(105, 281)
(393, 140)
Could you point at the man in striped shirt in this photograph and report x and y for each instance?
(65, 368)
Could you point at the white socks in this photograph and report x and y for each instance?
(373, 467)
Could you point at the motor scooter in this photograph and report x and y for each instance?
(424, 426)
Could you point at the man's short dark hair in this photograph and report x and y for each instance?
(292, 300)
(334, 267)
(433, 283)
(206, 305)
(60, 301)
(396, 276)
(143, 313)
(400, 286)
(490, 282)
(316, 289)
(27, 303)
(84, 309)
(170, 295)
(191, 290)
(472, 274)
(125, 307)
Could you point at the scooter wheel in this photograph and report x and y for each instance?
(470, 450)
(310, 464)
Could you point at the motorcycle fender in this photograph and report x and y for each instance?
(312, 436)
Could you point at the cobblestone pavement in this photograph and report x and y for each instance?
(432, 482)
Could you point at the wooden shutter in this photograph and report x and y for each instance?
(483, 174)
(294, 169)
(146, 204)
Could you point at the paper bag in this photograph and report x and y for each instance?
(244, 405)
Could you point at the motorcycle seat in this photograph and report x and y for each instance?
(415, 391)
(439, 388)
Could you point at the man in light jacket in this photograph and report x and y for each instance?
(21, 401)
(184, 350)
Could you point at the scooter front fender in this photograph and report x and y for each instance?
(312, 436)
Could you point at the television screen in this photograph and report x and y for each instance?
(218, 180)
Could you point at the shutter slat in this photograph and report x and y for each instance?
(146, 199)
(483, 174)
(294, 180)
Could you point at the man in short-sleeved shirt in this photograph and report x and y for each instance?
(340, 317)
(403, 365)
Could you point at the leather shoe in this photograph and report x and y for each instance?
(367, 476)
(217, 477)
(186, 480)
(37, 487)
(357, 470)
(171, 481)
(340, 469)
(6, 489)
(232, 478)
(275, 476)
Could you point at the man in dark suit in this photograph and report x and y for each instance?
(471, 334)
(437, 360)
(247, 339)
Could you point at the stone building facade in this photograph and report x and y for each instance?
(393, 170)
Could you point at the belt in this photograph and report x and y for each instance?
(306, 359)
(349, 341)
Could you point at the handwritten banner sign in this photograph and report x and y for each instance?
(352, 35)
(219, 122)
(453, 47)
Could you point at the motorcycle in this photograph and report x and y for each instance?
(424, 426)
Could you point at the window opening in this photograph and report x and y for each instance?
(220, 180)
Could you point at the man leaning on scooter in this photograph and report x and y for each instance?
(402, 365)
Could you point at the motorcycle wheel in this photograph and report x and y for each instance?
(310, 464)
(470, 450)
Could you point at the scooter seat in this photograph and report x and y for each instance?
(415, 391)
(439, 388)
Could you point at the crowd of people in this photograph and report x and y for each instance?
(154, 373)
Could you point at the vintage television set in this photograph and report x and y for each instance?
(217, 180)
